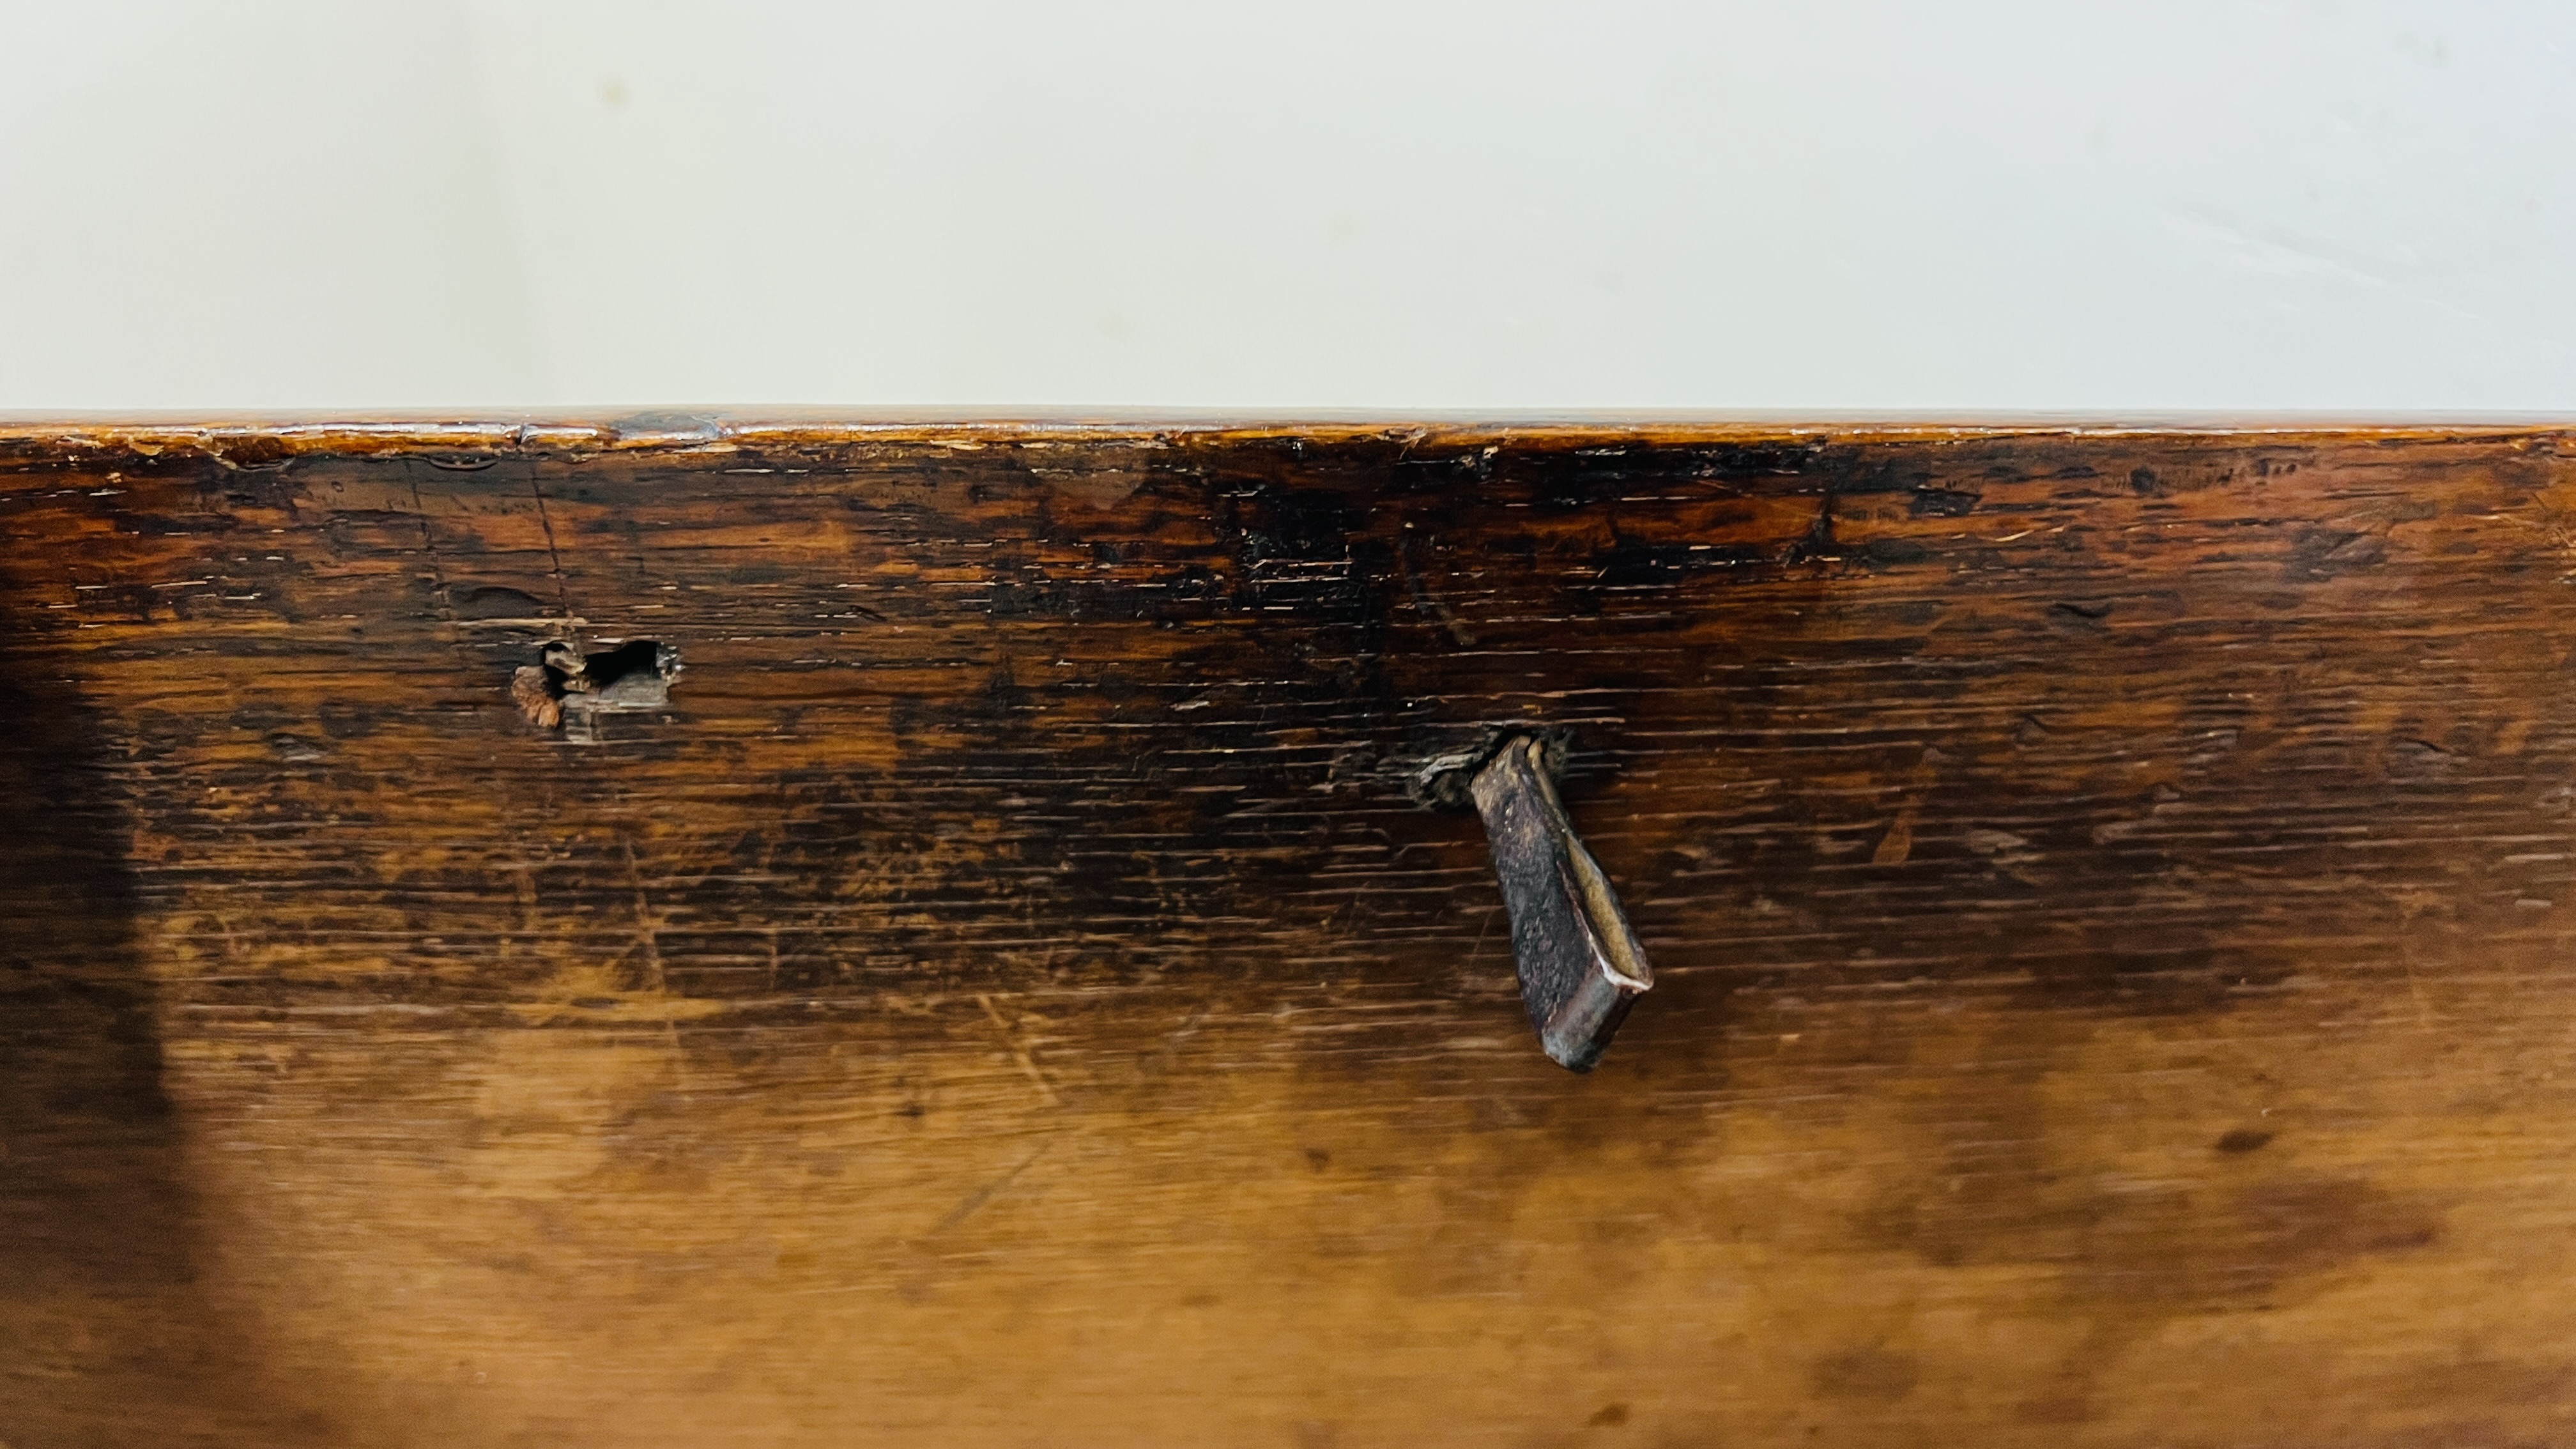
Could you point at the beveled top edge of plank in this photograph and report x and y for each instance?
(719, 429)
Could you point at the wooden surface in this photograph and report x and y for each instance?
(2110, 894)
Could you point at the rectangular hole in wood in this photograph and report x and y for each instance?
(634, 674)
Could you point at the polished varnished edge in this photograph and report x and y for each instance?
(223, 437)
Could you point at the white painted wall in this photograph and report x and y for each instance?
(1831, 206)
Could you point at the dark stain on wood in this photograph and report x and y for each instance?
(1010, 991)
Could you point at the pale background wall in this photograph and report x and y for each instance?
(1829, 207)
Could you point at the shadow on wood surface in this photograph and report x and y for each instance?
(102, 1254)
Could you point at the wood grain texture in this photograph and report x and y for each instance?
(2110, 893)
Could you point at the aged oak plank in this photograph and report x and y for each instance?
(2109, 890)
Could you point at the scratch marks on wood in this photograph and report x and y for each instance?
(2111, 891)
(976, 1201)
(648, 935)
(545, 520)
(1021, 1055)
